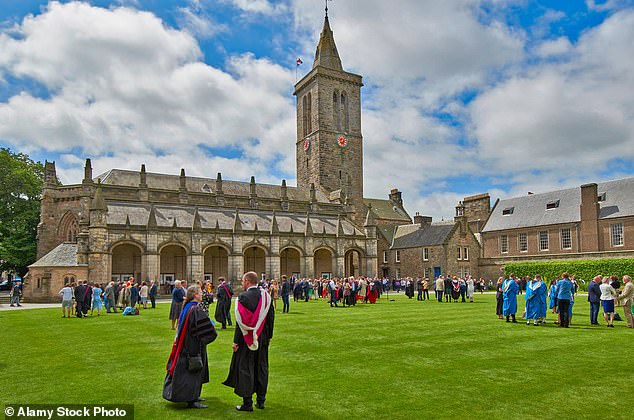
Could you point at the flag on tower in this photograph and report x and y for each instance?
(299, 61)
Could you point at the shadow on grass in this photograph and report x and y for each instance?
(218, 407)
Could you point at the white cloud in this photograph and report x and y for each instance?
(264, 7)
(554, 47)
(115, 93)
(564, 117)
(197, 21)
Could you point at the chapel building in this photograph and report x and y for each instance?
(163, 227)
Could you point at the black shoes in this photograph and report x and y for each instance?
(244, 408)
(196, 404)
(259, 405)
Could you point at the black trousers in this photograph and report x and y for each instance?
(420, 295)
(425, 294)
(564, 312)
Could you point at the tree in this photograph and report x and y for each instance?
(20, 191)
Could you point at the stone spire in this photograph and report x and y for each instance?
(98, 203)
(326, 54)
(87, 172)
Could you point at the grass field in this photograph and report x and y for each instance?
(395, 359)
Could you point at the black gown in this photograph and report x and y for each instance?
(223, 304)
(249, 370)
(183, 385)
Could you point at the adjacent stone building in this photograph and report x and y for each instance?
(429, 249)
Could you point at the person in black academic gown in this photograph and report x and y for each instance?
(223, 304)
(249, 370)
(195, 330)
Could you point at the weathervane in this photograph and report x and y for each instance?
(326, 1)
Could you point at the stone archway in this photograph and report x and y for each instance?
(290, 262)
(173, 263)
(353, 261)
(126, 262)
(216, 263)
(323, 262)
(254, 260)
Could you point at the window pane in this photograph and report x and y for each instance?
(566, 240)
(616, 234)
(522, 242)
(504, 244)
(543, 240)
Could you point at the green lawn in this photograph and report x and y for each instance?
(395, 359)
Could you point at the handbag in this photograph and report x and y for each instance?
(194, 363)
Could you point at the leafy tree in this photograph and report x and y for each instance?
(20, 190)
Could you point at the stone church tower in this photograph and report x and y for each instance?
(329, 145)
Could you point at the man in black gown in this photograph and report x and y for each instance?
(223, 305)
(249, 370)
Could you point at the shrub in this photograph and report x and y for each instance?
(582, 269)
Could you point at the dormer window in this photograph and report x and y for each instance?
(601, 197)
(206, 188)
(552, 205)
(507, 211)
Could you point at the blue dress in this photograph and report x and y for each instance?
(510, 289)
(535, 300)
(552, 296)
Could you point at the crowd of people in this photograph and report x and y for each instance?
(603, 292)
(81, 297)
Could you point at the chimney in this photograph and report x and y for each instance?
(395, 197)
(423, 221)
(589, 212)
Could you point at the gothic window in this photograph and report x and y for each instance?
(304, 119)
(309, 113)
(344, 112)
(336, 115)
(68, 228)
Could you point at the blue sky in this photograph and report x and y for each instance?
(461, 97)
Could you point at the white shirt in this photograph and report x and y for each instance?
(66, 293)
(607, 292)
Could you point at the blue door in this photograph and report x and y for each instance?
(436, 272)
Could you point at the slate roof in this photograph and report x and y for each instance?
(138, 214)
(387, 231)
(386, 209)
(64, 255)
(530, 210)
(195, 184)
(411, 236)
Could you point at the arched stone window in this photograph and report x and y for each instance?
(344, 112)
(68, 228)
(336, 115)
(309, 113)
(304, 121)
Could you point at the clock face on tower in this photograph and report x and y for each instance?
(342, 141)
(306, 144)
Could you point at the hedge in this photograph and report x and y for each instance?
(582, 269)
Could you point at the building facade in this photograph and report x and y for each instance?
(592, 221)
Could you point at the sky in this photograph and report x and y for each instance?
(461, 97)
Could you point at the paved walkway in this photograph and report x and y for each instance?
(7, 307)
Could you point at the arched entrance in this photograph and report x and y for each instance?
(353, 263)
(216, 263)
(126, 262)
(323, 262)
(173, 263)
(289, 262)
(254, 260)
